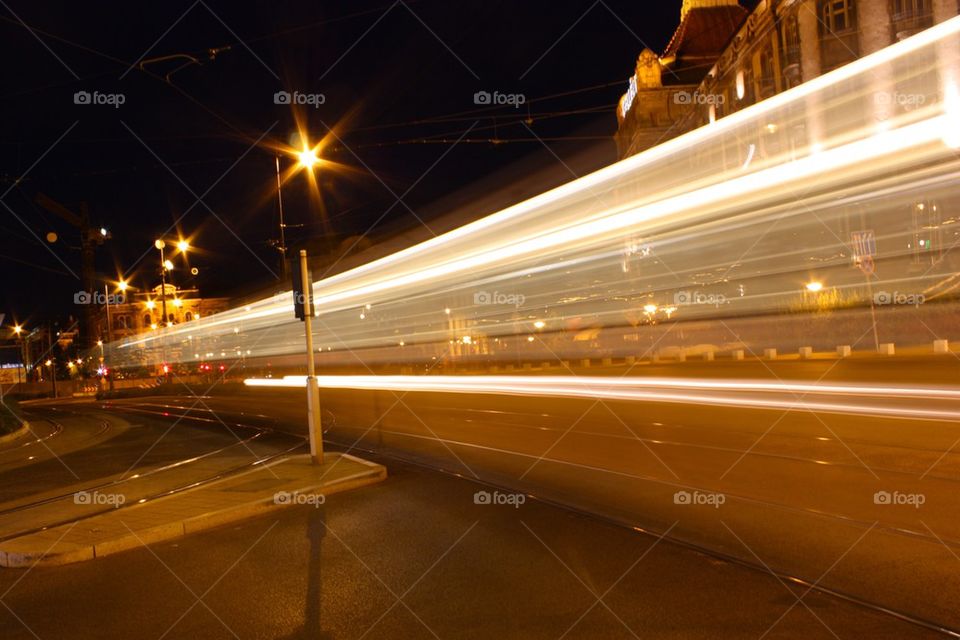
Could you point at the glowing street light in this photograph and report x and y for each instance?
(123, 285)
(814, 287)
(17, 329)
(539, 324)
(308, 159)
(183, 246)
(650, 308)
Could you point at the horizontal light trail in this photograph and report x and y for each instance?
(747, 210)
(747, 394)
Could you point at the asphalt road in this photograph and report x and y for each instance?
(794, 490)
(416, 557)
(73, 444)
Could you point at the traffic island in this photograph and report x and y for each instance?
(288, 482)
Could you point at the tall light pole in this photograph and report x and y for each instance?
(313, 391)
(160, 245)
(306, 159)
(283, 227)
(17, 330)
(166, 265)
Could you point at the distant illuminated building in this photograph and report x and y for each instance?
(142, 311)
(723, 58)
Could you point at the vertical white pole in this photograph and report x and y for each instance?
(313, 391)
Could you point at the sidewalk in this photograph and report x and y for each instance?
(287, 482)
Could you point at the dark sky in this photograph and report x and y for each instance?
(393, 76)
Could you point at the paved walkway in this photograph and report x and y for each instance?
(287, 482)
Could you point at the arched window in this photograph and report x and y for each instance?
(147, 320)
(188, 316)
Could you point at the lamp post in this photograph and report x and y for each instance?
(160, 245)
(283, 238)
(306, 159)
(17, 330)
(166, 265)
(313, 391)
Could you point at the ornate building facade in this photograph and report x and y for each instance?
(143, 311)
(723, 58)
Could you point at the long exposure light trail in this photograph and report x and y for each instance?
(680, 233)
(748, 394)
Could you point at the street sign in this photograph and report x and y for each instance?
(302, 300)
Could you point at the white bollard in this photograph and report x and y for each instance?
(708, 356)
(888, 349)
(843, 350)
(585, 363)
(737, 354)
(607, 362)
(941, 346)
(806, 352)
(770, 354)
(682, 356)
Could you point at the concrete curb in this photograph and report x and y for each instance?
(13, 435)
(68, 553)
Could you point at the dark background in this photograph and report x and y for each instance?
(397, 100)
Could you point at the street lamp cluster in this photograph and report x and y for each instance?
(166, 266)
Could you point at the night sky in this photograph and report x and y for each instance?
(392, 77)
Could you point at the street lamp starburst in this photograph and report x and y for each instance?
(308, 158)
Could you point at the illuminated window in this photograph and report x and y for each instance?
(838, 16)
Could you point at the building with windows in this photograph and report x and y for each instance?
(143, 311)
(724, 57)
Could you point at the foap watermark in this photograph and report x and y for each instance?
(885, 298)
(895, 498)
(698, 297)
(904, 100)
(699, 498)
(98, 297)
(498, 297)
(109, 99)
(309, 99)
(97, 498)
(296, 498)
(497, 98)
(697, 98)
(514, 500)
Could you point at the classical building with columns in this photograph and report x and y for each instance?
(725, 56)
